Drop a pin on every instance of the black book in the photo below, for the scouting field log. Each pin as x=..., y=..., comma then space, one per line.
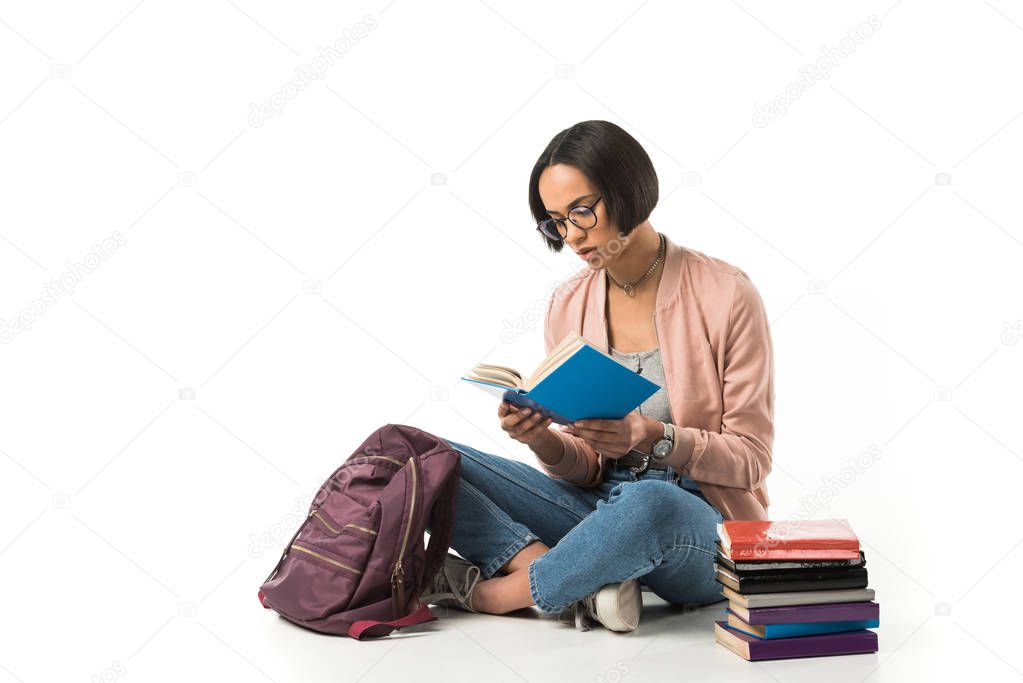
x=791, y=579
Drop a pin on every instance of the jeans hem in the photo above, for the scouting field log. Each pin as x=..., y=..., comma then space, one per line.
x=534, y=592
x=518, y=544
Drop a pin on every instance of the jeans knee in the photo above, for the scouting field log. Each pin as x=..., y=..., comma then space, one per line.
x=651, y=504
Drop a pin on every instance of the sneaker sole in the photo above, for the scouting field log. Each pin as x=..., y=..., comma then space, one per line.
x=619, y=606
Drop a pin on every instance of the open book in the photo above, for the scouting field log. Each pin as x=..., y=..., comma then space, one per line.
x=576, y=381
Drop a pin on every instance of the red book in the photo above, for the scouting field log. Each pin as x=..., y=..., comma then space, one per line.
x=816, y=539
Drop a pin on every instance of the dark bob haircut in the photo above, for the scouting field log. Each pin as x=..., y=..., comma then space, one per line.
x=613, y=161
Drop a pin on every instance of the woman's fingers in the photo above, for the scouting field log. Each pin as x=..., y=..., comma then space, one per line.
x=522, y=424
x=527, y=422
x=534, y=428
x=513, y=418
x=516, y=416
x=526, y=426
x=604, y=426
x=587, y=434
x=598, y=440
x=540, y=428
x=594, y=434
x=509, y=414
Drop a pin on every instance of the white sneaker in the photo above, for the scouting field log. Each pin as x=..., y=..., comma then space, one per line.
x=617, y=606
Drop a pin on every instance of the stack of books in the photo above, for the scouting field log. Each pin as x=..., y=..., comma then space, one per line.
x=794, y=590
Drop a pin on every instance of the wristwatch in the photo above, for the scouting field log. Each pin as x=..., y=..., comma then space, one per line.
x=663, y=446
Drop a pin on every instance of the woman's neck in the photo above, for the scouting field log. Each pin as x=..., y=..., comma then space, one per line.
x=634, y=261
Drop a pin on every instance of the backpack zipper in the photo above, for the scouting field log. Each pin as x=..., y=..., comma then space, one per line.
x=383, y=457
x=295, y=546
x=317, y=515
x=334, y=530
x=398, y=575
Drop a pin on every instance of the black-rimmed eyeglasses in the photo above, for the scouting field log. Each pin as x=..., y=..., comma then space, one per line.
x=581, y=216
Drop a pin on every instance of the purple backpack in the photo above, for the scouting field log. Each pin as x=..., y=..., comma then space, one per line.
x=357, y=565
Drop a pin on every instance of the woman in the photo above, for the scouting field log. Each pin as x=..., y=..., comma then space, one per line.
x=617, y=504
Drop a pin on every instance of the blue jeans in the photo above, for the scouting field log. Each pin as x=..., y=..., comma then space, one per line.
x=629, y=526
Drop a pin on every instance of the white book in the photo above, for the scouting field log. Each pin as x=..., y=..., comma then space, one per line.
x=798, y=597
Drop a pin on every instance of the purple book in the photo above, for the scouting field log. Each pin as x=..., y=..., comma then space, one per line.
x=754, y=649
x=800, y=614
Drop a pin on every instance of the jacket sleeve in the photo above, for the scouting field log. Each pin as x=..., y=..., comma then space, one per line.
x=580, y=463
x=740, y=455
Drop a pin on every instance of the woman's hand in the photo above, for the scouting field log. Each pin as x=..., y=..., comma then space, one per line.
x=522, y=424
x=615, y=438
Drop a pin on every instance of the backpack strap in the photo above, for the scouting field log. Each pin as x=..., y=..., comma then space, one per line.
x=372, y=628
x=442, y=523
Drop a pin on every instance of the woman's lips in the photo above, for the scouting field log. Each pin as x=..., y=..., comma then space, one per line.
x=586, y=253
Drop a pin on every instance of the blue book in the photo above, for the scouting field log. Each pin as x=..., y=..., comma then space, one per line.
x=807, y=628
x=575, y=382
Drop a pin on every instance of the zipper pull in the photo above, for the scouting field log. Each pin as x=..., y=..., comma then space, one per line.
x=398, y=597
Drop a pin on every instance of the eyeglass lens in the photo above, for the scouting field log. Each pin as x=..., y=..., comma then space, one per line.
x=581, y=216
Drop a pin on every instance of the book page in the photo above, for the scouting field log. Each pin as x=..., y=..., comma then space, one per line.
x=497, y=374
x=557, y=356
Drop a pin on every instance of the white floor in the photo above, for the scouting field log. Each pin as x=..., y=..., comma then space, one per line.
x=108, y=619
x=231, y=638
x=669, y=646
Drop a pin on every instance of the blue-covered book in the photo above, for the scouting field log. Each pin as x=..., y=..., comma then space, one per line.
x=575, y=382
x=809, y=628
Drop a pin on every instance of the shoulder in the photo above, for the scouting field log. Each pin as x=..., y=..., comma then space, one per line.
x=710, y=271
x=721, y=289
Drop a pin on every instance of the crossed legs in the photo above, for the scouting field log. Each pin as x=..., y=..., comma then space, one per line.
x=510, y=591
x=648, y=529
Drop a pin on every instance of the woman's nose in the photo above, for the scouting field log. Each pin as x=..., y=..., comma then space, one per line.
x=574, y=233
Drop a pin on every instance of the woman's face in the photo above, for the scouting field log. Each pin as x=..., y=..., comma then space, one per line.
x=562, y=187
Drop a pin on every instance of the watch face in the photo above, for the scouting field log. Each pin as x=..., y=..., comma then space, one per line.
x=662, y=448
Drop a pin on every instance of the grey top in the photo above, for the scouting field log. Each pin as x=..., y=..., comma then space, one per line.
x=648, y=364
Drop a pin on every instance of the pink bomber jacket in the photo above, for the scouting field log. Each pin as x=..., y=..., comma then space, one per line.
x=718, y=365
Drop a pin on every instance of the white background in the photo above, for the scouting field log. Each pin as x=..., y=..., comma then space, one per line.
x=340, y=265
